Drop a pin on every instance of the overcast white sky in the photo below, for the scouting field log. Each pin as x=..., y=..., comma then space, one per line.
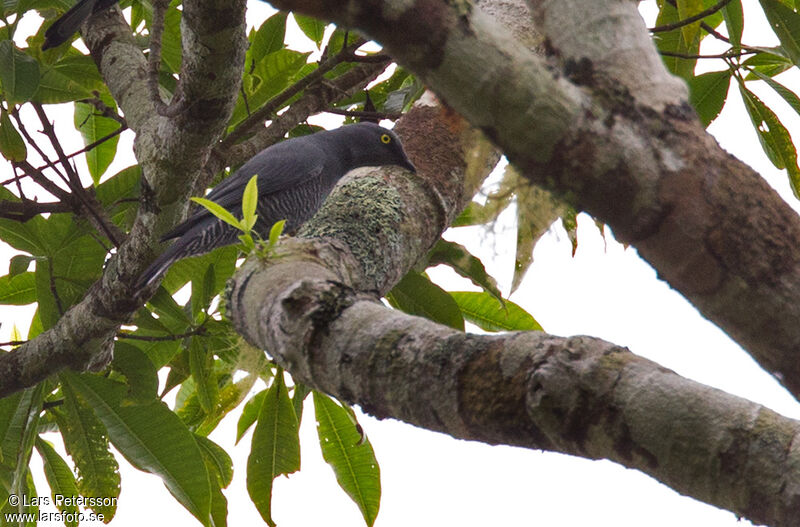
x=430, y=479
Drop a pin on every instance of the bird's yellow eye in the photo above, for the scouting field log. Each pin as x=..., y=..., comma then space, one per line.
x=385, y=139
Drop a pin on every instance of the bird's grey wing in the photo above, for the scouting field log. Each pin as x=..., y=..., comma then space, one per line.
x=275, y=173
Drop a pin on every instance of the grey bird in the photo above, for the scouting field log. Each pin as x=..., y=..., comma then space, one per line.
x=294, y=178
x=70, y=22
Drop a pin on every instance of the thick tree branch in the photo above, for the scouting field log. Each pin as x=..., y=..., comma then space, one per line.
x=171, y=152
x=315, y=307
x=601, y=122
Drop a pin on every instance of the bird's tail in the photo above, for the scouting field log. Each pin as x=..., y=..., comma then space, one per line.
x=69, y=24
x=160, y=265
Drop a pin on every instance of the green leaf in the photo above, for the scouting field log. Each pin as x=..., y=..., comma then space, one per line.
x=59, y=477
x=489, y=314
x=775, y=139
x=86, y=442
x=275, y=449
x=268, y=38
x=203, y=292
x=769, y=61
x=19, y=73
x=194, y=269
x=56, y=87
x=734, y=21
x=464, y=263
x=415, y=294
x=350, y=455
x=687, y=9
x=249, y=203
x=219, y=211
x=275, y=232
x=785, y=22
x=201, y=364
x=266, y=78
x=675, y=41
x=18, y=290
x=220, y=468
x=12, y=147
x=249, y=414
x=19, y=264
x=313, y=28
x=171, y=49
x=23, y=236
x=94, y=127
x=217, y=458
x=788, y=95
x=152, y=438
x=137, y=367
x=707, y=94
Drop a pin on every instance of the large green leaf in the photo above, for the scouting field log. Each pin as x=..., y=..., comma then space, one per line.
x=313, y=28
x=275, y=449
x=707, y=93
x=19, y=73
x=269, y=76
x=785, y=22
x=23, y=236
x=268, y=38
x=60, y=478
x=18, y=290
x=152, y=438
x=94, y=127
x=415, y=294
x=489, y=314
x=350, y=454
x=86, y=441
x=775, y=139
x=56, y=87
x=137, y=367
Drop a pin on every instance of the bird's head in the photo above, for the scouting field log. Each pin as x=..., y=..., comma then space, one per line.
x=374, y=145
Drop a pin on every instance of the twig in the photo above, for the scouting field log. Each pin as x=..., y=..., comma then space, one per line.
x=365, y=115
x=200, y=330
x=726, y=55
x=685, y=22
x=53, y=289
x=94, y=211
x=13, y=343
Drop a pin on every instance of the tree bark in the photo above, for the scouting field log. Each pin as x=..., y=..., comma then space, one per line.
x=604, y=126
x=314, y=305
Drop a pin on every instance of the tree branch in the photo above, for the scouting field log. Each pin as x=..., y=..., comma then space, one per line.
x=618, y=138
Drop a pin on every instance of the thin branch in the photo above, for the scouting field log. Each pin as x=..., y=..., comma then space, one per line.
x=685, y=22
x=26, y=209
x=726, y=55
x=200, y=330
x=94, y=211
x=365, y=115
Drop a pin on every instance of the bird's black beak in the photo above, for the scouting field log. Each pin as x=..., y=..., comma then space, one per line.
x=408, y=165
